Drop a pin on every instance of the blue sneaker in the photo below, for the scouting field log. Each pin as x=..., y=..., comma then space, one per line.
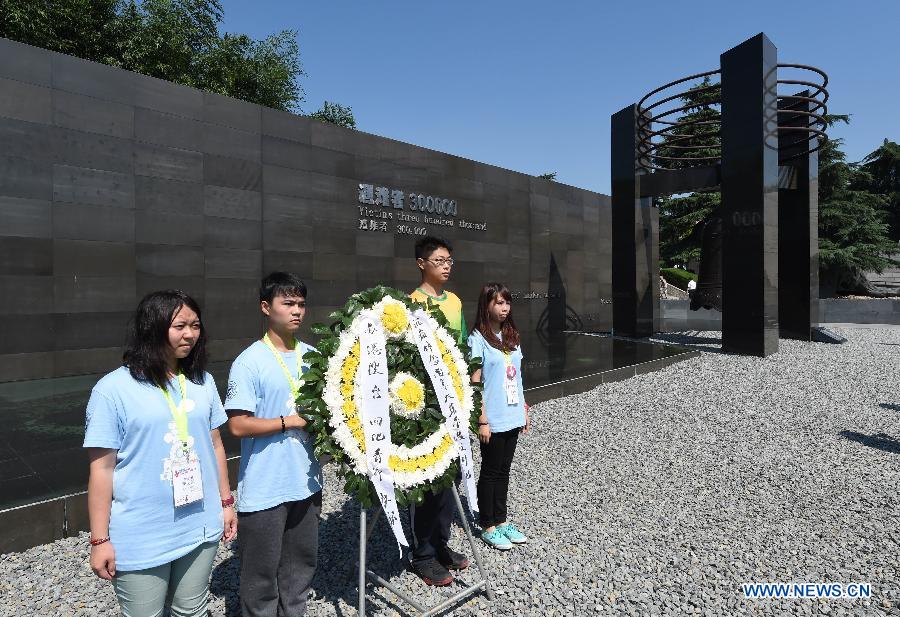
x=497, y=540
x=512, y=533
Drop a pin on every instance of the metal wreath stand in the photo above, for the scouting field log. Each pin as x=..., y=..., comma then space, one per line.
x=365, y=531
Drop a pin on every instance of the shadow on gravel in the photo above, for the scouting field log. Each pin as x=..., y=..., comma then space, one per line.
x=225, y=580
x=879, y=441
x=890, y=406
x=338, y=569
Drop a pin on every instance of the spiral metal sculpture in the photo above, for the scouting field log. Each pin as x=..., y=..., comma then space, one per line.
x=661, y=121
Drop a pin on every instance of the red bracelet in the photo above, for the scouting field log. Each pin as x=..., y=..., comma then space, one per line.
x=228, y=502
x=99, y=541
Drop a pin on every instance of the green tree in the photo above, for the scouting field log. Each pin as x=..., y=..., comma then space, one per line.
x=83, y=28
x=883, y=169
x=681, y=223
x=264, y=72
x=175, y=40
x=853, y=232
x=696, y=135
x=682, y=218
x=336, y=114
x=549, y=176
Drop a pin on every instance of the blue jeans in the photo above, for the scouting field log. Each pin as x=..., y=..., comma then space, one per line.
x=182, y=584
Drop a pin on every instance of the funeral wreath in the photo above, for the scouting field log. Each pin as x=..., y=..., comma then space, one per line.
x=424, y=450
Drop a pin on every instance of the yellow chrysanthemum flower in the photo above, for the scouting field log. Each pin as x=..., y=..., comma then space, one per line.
x=411, y=394
x=393, y=318
x=360, y=438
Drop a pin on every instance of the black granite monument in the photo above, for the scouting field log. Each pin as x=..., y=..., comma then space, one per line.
x=766, y=171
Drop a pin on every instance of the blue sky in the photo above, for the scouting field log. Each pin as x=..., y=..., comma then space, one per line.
x=530, y=86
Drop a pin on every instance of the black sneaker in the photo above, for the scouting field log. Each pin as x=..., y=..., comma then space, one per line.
x=452, y=560
x=432, y=573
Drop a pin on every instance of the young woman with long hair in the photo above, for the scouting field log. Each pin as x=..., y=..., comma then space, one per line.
x=504, y=413
x=158, y=493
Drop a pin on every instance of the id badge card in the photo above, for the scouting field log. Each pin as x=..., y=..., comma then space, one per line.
x=187, y=483
x=512, y=392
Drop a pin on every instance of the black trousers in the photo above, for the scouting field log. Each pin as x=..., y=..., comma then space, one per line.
x=431, y=525
x=493, y=483
x=279, y=549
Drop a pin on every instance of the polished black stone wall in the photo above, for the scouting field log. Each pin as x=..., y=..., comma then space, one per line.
x=750, y=198
x=798, y=228
x=635, y=241
x=114, y=184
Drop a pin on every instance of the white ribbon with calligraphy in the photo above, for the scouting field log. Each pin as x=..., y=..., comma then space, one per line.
x=376, y=419
x=425, y=340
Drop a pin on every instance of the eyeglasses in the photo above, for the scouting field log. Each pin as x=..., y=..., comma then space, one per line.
x=440, y=263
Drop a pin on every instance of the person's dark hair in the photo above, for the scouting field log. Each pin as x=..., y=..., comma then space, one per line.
x=281, y=284
x=148, y=339
x=508, y=331
x=426, y=245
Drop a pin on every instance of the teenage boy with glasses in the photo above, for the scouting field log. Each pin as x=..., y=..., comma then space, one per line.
x=432, y=558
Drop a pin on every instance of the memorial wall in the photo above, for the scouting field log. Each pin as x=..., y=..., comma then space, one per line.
x=114, y=184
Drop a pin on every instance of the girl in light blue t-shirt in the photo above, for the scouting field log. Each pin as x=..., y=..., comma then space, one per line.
x=504, y=413
x=158, y=493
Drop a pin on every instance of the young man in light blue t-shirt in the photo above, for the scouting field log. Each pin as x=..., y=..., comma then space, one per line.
x=279, y=480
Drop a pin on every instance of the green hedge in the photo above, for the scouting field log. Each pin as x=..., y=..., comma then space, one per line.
x=677, y=277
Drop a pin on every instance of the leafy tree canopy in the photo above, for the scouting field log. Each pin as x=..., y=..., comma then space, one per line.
x=336, y=114
x=853, y=228
x=175, y=40
x=882, y=169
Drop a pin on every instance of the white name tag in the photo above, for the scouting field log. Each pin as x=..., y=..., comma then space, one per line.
x=186, y=481
x=512, y=392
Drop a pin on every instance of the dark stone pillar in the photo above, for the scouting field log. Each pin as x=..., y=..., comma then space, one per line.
x=750, y=198
x=648, y=302
x=798, y=225
x=635, y=252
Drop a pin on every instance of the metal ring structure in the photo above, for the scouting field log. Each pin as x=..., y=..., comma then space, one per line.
x=804, y=113
x=810, y=121
x=657, y=112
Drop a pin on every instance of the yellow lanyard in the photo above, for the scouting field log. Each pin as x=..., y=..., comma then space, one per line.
x=178, y=411
x=295, y=386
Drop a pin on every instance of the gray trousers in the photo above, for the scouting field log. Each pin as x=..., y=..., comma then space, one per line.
x=279, y=550
x=183, y=584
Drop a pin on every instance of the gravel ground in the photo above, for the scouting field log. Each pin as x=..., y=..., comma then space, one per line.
x=658, y=495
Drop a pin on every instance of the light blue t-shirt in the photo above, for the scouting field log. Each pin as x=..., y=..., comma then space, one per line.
x=145, y=527
x=275, y=468
x=501, y=417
